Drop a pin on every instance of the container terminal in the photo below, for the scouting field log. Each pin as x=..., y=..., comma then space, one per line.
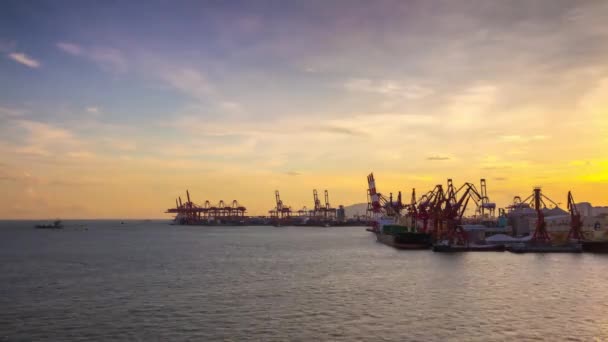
x=233, y=213
x=444, y=219
x=534, y=224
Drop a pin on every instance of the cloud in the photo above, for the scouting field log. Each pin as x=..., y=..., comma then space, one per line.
x=80, y=155
x=500, y=178
x=435, y=158
x=469, y=109
x=387, y=87
x=70, y=48
x=19, y=176
x=292, y=173
x=93, y=110
x=10, y=112
x=24, y=59
x=339, y=130
x=499, y=167
x=231, y=107
x=75, y=182
x=522, y=139
x=45, y=132
x=121, y=144
x=44, y=140
x=106, y=57
x=33, y=150
x=189, y=81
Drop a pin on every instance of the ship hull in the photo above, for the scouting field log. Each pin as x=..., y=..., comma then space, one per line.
x=457, y=249
x=595, y=246
x=405, y=240
x=533, y=248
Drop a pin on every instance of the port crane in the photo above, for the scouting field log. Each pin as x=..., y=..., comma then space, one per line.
x=380, y=203
x=189, y=206
x=538, y=201
x=317, y=203
x=429, y=206
x=485, y=201
x=189, y=212
x=328, y=211
x=281, y=210
x=540, y=233
x=445, y=209
x=455, y=208
x=238, y=209
x=221, y=208
x=369, y=212
x=412, y=210
x=576, y=223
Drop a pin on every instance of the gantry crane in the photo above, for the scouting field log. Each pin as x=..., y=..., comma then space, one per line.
x=317, y=204
x=328, y=211
x=282, y=211
x=485, y=201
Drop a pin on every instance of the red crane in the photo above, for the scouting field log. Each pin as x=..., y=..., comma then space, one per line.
x=540, y=233
x=381, y=204
x=576, y=223
x=374, y=196
x=281, y=210
x=429, y=206
x=454, y=210
x=537, y=201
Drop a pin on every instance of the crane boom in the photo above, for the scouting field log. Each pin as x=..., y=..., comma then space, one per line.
x=576, y=223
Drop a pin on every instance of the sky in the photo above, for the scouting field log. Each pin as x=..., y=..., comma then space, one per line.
x=112, y=109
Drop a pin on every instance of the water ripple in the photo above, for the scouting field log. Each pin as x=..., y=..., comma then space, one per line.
x=156, y=282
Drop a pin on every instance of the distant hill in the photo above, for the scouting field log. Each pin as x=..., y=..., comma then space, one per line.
x=355, y=209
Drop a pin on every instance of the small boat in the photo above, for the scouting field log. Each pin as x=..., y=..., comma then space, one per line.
x=56, y=225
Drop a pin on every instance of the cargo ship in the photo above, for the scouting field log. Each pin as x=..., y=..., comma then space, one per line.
x=401, y=236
